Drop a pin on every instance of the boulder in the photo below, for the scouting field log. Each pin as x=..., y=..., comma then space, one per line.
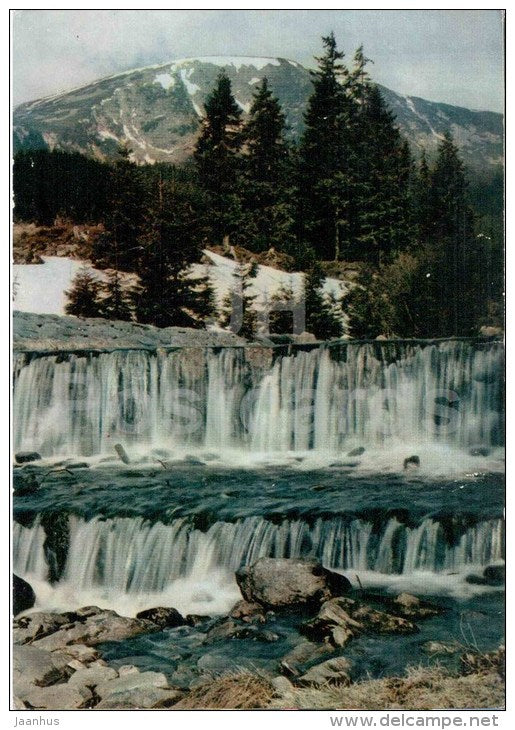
x=493, y=575
x=193, y=619
x=94, y=629
x=479, y=451
x=23, y=595
x=335, y=672
x=141, y=699
x=248, y=612
x=333, y=624
x=131, y=682
x=357, y=451
x=92, y=676
x=282, y=686
x=57, y=697
x=27, y=629
x=409, y=606
x=281, y=583
x=33, y=666
x=24, y=457
x=302, y=654
x=162, y=617
x=411, y=462
x=341, y=619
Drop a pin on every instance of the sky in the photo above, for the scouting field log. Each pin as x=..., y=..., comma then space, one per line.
x=452, y=56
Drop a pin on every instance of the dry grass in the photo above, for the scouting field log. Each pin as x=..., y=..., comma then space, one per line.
x=238, y=691
x=421, y=689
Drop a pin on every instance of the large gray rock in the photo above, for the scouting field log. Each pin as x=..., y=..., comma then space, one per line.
x=23, y=595
x=334, y=672
x=58, y=697
x=301, y=655
x=33, y=666
x=131, y=682
x=92, y=676
x=37, y=625
x=341, y=619
x=94, y=629
x=283, y=583
x=141, y=699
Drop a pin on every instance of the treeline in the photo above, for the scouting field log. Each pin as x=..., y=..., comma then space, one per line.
x=350, y=190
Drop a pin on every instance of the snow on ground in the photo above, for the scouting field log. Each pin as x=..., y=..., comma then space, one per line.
x=40, y=288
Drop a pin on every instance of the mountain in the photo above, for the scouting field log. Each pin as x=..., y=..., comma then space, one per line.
x=157, y=111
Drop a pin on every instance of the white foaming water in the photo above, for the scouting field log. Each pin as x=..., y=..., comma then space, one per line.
x=393, y=399
x=129, y=564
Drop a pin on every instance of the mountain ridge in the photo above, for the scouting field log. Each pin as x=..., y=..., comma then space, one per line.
x=157, y=111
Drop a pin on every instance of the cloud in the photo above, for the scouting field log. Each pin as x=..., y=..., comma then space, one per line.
x=453, y=56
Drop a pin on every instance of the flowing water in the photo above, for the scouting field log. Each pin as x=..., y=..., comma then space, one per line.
x=239, y=453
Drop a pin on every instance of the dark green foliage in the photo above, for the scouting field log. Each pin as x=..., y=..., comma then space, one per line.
x=84, y=296
x=170, y=242
x=118, y=247
x=218, y=162
x=325, y=158
x=50, y=184
x=441, y=287
x=116, y=302
x=323, y=314
x=267, y=184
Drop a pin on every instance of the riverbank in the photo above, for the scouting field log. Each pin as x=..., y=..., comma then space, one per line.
x=68, y=660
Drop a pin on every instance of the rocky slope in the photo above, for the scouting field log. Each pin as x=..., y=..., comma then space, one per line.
x=157, y=111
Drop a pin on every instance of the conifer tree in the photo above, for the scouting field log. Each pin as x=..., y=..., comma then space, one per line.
x=326, y=158
x=383, y=203
x=118, y=247
x=452, y=233
x=238, y=312
x=83, y=297
x=323, y=313
x=171, y=241
x=116, y=302
x=217, y=159
x=267, y=178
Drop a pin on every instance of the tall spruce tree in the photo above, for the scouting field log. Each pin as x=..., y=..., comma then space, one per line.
x=452, y=233
x=171, y=241
x=385, y=179
x=218, y=161
x=267, y=178
x=326, y=158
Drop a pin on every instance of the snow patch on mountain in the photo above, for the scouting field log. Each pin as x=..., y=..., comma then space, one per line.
x=167, y=81
x=236, y=61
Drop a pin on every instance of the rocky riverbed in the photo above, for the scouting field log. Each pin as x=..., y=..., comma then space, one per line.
x=60, y=658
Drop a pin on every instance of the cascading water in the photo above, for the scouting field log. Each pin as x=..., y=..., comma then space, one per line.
x=322, y=399
x=128, y=560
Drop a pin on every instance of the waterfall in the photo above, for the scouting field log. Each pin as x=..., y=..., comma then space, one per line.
x=131, y=555
x=322, y=399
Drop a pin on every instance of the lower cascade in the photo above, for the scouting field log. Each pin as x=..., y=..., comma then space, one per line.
x=261, y=399
x=135, y=557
